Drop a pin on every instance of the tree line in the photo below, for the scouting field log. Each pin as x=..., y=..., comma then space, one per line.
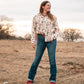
x=6, y=30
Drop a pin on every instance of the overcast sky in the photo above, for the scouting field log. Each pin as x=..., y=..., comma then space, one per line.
x=67, y=11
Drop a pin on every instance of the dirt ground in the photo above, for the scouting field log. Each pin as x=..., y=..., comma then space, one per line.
x=16, y=57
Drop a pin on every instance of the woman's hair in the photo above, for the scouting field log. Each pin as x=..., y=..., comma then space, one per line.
x=48, y=13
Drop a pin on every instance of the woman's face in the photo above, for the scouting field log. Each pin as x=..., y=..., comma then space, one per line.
x=47, y=7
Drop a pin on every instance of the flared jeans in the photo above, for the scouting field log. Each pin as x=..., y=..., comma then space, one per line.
x=40, y=48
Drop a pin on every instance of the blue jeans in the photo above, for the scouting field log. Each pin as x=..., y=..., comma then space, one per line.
x=40, y=47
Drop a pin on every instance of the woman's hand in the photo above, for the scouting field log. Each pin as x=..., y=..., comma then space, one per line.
x=34, y=45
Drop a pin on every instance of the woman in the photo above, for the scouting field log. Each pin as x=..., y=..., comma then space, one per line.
x=45, y=26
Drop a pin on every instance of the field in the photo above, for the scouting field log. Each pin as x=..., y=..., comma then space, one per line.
x=16, y=57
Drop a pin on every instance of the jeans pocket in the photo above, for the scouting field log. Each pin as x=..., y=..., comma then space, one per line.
x=39, y=40
x=55, y=42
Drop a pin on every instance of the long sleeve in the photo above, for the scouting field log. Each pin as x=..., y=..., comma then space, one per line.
x=55, y=28
x=34, y=24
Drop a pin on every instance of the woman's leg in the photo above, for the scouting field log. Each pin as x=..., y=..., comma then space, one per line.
x=51, y=46
x=38, y=55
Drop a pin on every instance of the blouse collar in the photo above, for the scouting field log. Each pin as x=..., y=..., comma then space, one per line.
x=43, y=15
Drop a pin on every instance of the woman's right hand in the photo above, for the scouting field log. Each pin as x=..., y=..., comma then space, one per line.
x=34, y=45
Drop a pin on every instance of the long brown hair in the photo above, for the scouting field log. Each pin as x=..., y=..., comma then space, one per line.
x=48, y=13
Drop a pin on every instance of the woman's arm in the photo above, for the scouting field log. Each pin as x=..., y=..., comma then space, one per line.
x=34, y=24
x=56, y=28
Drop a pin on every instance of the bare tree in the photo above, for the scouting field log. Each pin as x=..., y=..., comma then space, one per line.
x=71, y=34
x=6, y=30
x=5, y=18
x=28, y=36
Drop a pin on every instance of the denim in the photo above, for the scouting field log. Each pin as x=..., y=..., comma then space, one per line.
x=40, y=48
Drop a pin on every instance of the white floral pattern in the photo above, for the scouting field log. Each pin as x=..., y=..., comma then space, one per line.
x=42, y=24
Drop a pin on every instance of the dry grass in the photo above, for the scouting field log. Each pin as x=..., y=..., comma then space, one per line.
x=16, y=57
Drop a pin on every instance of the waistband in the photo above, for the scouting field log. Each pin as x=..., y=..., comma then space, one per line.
x=41, y=34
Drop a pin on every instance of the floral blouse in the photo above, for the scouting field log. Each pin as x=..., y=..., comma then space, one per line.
x=43, y=25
